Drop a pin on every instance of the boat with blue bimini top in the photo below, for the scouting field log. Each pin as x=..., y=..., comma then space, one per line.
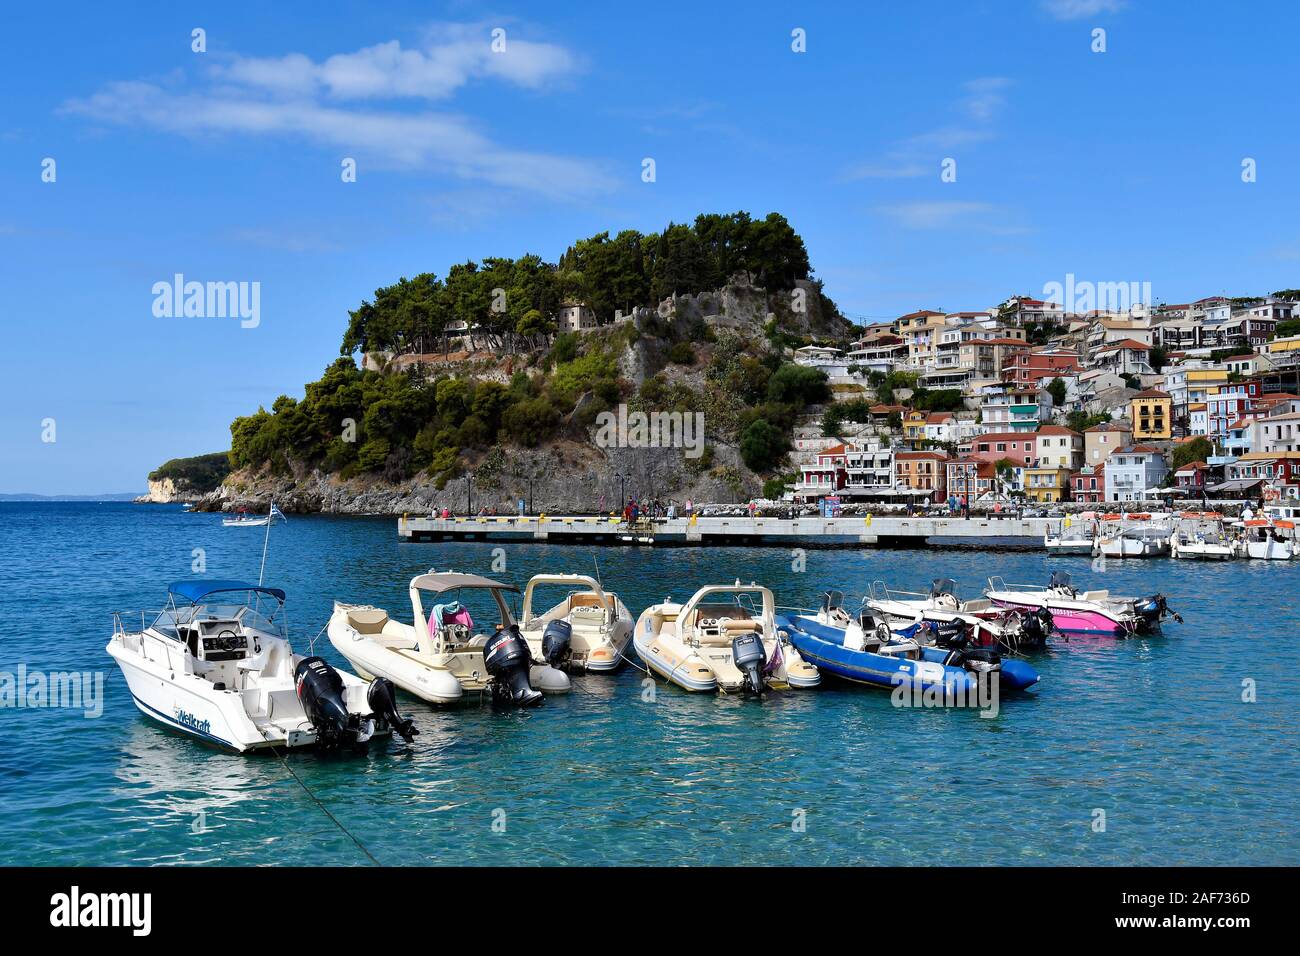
x=725, y=638
x=863, y=648
x=216, y=663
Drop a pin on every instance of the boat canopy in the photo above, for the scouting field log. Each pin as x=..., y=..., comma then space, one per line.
x=196, y=591
x=446, y=580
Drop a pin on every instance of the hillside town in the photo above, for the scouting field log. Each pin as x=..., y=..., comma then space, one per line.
x=1028, y=402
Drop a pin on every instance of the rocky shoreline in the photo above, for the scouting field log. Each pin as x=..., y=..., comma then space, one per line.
x=564, y=477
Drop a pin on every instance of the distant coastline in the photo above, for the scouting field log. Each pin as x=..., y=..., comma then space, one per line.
x=118, y=496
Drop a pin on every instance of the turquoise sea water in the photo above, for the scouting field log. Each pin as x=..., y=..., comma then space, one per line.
x=1152, y=731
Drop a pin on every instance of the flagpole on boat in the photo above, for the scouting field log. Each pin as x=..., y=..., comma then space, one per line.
x=270, y=519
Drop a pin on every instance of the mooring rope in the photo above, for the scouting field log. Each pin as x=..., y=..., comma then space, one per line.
x=325, y=810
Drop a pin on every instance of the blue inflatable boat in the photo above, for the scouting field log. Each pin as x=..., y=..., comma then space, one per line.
x=866, y=651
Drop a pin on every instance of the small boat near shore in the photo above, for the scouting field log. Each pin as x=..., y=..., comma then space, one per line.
x=721, y=640
x=1089, y=612
x=589, y=630
x=243, y=519
x=216, y=664
x=446, y=657
x=1072, y=535
x=1267, y=539
x=864, y=649
x=1201, y=536
x=1133, y=536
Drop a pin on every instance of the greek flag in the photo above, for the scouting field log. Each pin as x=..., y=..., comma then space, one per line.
x=277, y=513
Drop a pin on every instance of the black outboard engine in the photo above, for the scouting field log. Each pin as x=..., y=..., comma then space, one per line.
x=1153, y=610
x=555, y=643
x=320, y=689
x=383, y=702
x=950, y=633
x=507, y=660
x=977, y=660
x=1031, y=628
x=748, y=653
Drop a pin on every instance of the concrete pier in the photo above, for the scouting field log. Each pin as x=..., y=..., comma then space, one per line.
x=812, y=531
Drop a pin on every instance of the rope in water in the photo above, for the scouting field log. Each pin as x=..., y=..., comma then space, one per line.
x=325, y=810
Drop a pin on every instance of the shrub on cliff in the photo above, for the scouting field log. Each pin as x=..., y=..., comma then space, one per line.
x=530, y=422
x=798, y=385
x=763, y=445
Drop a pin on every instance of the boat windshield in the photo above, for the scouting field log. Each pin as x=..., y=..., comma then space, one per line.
x=258, y=612
x=941, y=586
x=1060, y=579
x=485, y=606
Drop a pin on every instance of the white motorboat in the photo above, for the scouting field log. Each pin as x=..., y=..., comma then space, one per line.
x=446, y=656
x=588, y=630
x=1089, y=612
x=720, y=641
x=977, y=623
x=1073, y=535
x=216, y=663
x=1201, y=536
x=243, y=519
x=1267, y=539
x=1133, y=536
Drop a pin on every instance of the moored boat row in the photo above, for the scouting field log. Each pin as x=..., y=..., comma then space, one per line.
x=1187, y=535
x=216, y=662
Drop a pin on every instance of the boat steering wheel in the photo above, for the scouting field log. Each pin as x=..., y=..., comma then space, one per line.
x=226, y=639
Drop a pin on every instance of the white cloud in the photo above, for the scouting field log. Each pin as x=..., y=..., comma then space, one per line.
x=921, y=154
x=453, y=55
x=985, y=97
x=952, y=214
x=1078, y=9
x=292, y=96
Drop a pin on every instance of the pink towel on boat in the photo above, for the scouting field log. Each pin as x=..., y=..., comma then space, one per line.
x=461, y=616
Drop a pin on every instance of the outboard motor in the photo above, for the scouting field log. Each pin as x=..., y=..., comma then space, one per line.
x=950, y=633
x=383, y=702
x=320, y=689
x=1153, y=610
x=555, y=643
x=506, y=657
x=748, y=653
x=977, y=660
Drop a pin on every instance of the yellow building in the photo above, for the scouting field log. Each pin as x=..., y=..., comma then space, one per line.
x=1047, y=484
x=914, y=425
x=1152, y=414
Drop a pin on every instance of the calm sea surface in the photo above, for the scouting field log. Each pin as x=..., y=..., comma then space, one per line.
x=1154, y=731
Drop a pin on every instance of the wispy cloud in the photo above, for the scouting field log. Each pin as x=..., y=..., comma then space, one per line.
x=919, y=155
x=1078, y=9
x=953, y=214
x=294, y=96
x=453, y=54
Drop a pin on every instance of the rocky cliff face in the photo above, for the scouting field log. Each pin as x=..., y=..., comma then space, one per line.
x=567, y=477
x=165, y=491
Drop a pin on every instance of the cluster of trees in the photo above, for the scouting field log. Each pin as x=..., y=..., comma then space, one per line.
x=418, y=315
x=512, y=303
x=352, y=421
x=202, y=473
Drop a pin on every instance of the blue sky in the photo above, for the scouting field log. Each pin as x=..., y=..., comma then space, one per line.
x=225, y=166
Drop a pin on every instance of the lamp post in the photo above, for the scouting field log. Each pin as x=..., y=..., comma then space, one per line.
x=531, y=479
x=469, y=494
